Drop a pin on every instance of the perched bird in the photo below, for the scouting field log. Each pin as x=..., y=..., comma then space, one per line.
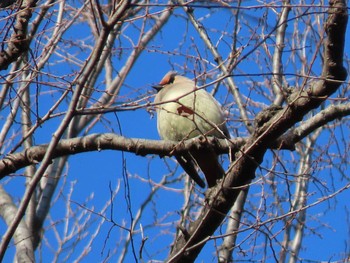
x=184, y=112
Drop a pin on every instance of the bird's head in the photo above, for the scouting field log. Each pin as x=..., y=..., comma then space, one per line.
x=169, y=78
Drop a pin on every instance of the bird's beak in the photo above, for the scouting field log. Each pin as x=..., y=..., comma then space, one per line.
x=157, y=87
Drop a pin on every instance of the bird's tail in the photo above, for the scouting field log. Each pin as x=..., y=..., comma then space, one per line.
x=190, y=168
x=208, y=162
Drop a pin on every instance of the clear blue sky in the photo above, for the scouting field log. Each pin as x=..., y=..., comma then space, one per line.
x=91, y=173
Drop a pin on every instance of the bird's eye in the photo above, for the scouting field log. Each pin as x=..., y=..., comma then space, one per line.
x=171, y=78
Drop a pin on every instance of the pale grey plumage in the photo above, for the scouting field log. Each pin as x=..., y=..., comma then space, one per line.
x=185, y=112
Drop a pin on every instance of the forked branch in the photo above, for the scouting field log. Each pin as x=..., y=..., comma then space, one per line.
x=242, y=171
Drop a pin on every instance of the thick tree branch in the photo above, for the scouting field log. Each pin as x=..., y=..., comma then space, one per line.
x=331, y=113
x=18, y=42
x=23, y=236
x=6, y=3
x=242, y=171
x=47, y=159
x=111, y=141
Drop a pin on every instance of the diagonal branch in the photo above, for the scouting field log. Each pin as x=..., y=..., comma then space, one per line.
x=218, y=59
x=114, y=87
x=242, y=171
x=123, y=5
x=23, y=236
x=331, y=113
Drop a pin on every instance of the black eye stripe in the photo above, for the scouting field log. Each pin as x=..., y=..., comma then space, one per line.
x=172, y=78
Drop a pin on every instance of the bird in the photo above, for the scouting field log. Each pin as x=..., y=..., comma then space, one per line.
x=184, y=112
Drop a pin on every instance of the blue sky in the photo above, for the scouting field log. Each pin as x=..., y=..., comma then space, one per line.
x=178, y=47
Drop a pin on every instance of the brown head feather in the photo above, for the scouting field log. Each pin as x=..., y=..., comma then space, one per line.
x=168, y=78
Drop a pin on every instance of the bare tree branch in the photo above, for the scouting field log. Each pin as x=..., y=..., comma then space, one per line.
x=277, y=83
x=6, y=3
x=97, y=142
x=84, y=67
x=228, y=245
x=331, y=113
x=18, y=43
x=218, y=59
x=242, y=171
x=22, y=236
x=123, y=5
x=111, y=141
x=113, y=89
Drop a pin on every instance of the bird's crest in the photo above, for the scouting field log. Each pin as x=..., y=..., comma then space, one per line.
x=168, y=78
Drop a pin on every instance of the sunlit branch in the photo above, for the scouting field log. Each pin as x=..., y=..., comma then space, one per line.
x=331, y=113
x=242, y=170
x=218, y=59
x=23, y=236
x=300, y=197
x=94, y=142
x=111, y=141
x=53, y=143
x=233, y=222
x=277, y=68
x=30, y=170
x=113, y=89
